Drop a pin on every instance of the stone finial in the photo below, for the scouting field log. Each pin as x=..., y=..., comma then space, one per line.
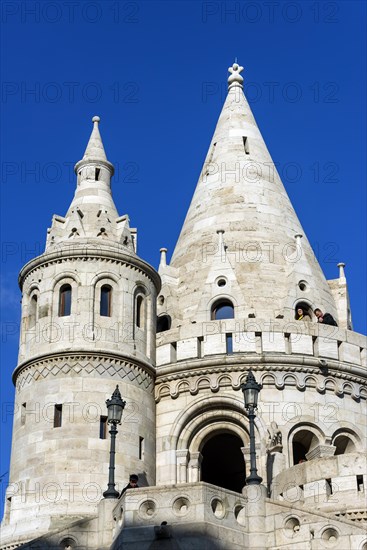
x=298, y=238
x=163, y=261
x=95, y=150
x=341, y=267
x=235, y=78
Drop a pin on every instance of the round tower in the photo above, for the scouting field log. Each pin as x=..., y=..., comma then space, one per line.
x=241, y=269
x=88, y=324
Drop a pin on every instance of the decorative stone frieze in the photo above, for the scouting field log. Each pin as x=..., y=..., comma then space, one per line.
x=85, y=366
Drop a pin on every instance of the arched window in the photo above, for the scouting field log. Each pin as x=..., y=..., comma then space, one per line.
x=303, y=442
x=105, y=301
x=307, y=314
x=33, y=310
x=140, y=311
x=222, y=309
x=65, y=301
x=343, y=444
x=163, y=323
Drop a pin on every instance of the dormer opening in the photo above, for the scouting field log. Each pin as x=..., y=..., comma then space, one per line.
x=222, y=309
x=306, y=314
x=246, y=145
x=163, y=323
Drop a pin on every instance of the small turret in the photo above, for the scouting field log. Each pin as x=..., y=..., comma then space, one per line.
x=88, y=323
x=92, y=213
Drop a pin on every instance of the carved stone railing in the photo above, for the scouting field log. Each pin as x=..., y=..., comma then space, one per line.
x=255, y=337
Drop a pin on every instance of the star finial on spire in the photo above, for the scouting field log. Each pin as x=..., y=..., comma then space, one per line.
x=235, y=78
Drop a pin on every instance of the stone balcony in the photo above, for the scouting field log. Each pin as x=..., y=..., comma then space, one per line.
x=256, y=337
x=333, y=483
x=197, y=516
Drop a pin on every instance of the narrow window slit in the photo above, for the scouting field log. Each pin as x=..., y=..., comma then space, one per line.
x=58, y=416
x=103, y=427
x=329, y=486
x=229, y=343
x=246, y=145
x=141, y=448
x=360, y=485
x=23, y=413
x=105, y=301
x=65, y=301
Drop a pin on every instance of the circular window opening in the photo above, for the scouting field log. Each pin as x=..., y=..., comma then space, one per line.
x=240, y=514
x=67, y=544
x=330, y=536
x=218, y=508
x=147, y=508
x=181, y=506
x=292, y=526
x=221, y=282
x=302, y=285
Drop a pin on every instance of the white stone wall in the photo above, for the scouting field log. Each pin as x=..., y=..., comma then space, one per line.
x=85, y=328
x=311, y=381
x=64, y=470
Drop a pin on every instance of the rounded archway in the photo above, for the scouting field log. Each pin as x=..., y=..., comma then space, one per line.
x=304, y=441
x=223, y=463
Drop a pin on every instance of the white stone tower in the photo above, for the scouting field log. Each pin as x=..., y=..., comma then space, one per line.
x=88, y=324
x=241, y=269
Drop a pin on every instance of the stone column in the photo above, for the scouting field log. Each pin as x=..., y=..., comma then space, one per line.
x=255, y=509
x=194, y=467
x=182, y=457
x=106, y=522
x=276, y=464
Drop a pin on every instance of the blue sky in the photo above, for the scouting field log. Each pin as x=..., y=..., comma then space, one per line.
x=156, y=74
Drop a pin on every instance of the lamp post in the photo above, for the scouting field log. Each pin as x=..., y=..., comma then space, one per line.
x=115, y=406
x=251, y=391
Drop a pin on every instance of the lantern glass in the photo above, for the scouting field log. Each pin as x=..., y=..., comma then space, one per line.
x=251, y=395
x=251, y=391
x=114, y=413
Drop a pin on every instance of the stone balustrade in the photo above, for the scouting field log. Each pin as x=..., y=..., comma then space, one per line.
x=322, y=482
x=258, y=337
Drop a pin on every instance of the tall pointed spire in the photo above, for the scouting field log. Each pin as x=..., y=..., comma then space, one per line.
x=92, y=213
x=94, y=151
x=240, y=193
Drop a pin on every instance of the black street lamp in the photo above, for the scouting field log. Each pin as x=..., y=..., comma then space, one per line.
x=251, y=391
x=115, y=406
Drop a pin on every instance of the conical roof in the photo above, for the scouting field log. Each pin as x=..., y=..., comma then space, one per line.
x=95, y=149
x=241, y=220
x=92, y=213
